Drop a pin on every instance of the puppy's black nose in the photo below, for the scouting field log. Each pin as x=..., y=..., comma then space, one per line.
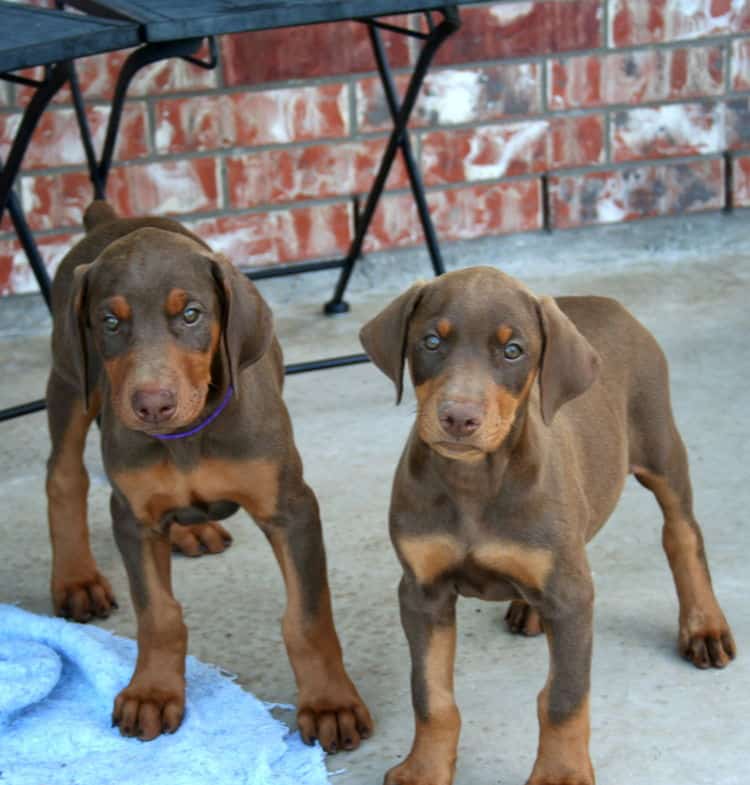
x=460, y=419
x=154, y=406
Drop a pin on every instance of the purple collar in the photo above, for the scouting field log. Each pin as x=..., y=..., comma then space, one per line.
x=211, y=417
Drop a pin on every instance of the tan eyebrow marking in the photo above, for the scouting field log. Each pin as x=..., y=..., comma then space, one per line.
x=444, y=328
x=120, y=307
x=504, y=333
x=175, y=302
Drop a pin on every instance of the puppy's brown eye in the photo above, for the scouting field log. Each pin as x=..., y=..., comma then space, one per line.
x=512, y=351
x=111, y=323
x=191, y=315
x=432, y=342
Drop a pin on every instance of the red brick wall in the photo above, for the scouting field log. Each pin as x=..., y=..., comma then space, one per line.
x=627, y=107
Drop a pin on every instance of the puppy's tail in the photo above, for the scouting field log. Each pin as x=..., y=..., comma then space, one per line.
x=97, y=213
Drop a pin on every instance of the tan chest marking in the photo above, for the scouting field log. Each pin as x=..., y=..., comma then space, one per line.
x=523, y=563
x=429, y=557
x=154, y=490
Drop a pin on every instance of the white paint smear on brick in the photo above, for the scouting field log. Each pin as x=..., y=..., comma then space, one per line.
x=511, y=146
x=683, y=19
x=22, y=280
x=176, y=189
x=163, y=135
x=682, y=125
x=452, y=96
x=505, y=14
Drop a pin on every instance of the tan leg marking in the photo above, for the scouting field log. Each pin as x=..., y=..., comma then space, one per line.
x=431, y=556
x=563, y=756
x=329, y=707
x=432, y=760
x=154, y=701
x=704, y=638
x=79, y=591
x=527, y=565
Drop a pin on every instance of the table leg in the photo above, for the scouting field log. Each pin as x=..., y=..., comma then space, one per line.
x=399, y=139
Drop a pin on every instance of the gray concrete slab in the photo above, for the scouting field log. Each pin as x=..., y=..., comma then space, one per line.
x=655, y=719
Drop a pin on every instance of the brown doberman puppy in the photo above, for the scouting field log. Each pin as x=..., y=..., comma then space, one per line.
x=531, y=413
x=174, y=349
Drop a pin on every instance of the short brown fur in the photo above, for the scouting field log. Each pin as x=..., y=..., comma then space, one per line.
x=516, y=459
x=126, y=349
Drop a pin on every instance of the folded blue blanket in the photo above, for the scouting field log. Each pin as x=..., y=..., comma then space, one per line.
x=57, y=684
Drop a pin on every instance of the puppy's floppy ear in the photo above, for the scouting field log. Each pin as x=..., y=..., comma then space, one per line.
x=247, y=322
x=77, y=354
x=384, y=337
x=569, y=364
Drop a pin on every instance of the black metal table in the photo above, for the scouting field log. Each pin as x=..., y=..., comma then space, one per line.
x=177, y=28
x=38, y=37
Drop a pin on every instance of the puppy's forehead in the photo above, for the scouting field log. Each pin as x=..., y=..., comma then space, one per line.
x=478, y=297
x=150, y=263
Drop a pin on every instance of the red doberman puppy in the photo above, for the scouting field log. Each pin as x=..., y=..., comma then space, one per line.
x=174, y=350
x=531, y=413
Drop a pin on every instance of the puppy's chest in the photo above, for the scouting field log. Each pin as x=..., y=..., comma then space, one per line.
x=162, y=492
x=478, y=562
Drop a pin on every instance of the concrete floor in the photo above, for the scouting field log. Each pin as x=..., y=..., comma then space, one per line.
x=655, y=719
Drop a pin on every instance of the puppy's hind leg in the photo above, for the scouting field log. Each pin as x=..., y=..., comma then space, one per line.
x=522, y=619
x=661, y=465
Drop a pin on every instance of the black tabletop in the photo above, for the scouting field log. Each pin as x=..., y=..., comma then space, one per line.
x=174, y=19
x=36, y=36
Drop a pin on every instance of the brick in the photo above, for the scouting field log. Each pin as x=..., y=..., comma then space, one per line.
x=168, y=187
x=458, y=214
x=319, y=171
x=485, y=153
x=496, y=30
x=210, y=122
x=496, y=151
x=637, y=192
x=6, y=267
x=97, y=77
x=635, y=77
x=16, y=276
x=57, y=140
x=675, y=129
x=635, y=22
x=738, y=123
x=741, y=64
x=575, y=141
x=453, y=95
x=306, y=52
x=741, y=180
x=263, y=239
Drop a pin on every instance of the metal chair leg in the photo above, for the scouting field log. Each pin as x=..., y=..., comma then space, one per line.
x=398, y=140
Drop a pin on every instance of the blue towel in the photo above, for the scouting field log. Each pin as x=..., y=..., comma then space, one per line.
x=58, y=681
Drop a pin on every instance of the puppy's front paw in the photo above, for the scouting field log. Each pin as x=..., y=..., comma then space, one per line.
x=337, y=718
x=337, y=728
x=563, y=781
x=150, y=705
x=199, y=538
x=706, y=640
x=82, y=596
x=419, y=772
